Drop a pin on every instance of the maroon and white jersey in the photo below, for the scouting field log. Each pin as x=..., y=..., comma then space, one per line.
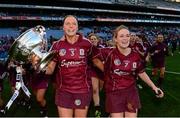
x=72, y=63
x=120, y=71
x=139, y=47
x=158, y=52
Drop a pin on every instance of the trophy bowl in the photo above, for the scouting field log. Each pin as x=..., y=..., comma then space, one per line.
x=32, y=43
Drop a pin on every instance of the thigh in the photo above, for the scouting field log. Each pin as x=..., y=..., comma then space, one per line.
x=130, y=114
x=117, y=115
x=40, y=93
x=95, y=84
x=81, y=112
x=65, y=112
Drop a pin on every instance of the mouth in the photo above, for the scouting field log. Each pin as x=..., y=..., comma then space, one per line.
x=125, y=42
x=71, y=31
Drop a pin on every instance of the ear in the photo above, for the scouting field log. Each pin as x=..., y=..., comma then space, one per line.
x=114, y=39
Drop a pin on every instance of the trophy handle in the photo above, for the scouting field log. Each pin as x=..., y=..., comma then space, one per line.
x=47, y=57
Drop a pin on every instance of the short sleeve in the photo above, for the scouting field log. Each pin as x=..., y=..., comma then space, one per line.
x=104, y=53
x=140, y=66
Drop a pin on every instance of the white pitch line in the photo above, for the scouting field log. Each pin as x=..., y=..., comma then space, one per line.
x=176, y=73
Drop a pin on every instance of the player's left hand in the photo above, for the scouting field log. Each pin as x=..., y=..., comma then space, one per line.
x=159, y=93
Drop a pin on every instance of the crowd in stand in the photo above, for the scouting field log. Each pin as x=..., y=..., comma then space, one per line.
x=171, y=35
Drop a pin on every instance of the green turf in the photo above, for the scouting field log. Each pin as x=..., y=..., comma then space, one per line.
x=169, y=106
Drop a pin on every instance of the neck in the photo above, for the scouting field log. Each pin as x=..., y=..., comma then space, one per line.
x=72, y=39
x=124, y=51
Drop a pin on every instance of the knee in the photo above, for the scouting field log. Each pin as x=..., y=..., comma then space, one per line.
x=95, y=90
x=162, y=75
x=40, y=98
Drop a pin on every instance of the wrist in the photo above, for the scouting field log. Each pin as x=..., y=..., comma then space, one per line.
x=154, y=88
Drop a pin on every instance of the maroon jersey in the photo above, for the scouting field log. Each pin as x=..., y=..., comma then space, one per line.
x=93, y=70
x=120, y=71
x=158, y=52
x=139, y=47
x=72, y=66
x=146, y=48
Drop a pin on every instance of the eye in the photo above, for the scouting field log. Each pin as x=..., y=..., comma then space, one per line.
x=67, y=23
x=74, y=23
x=121, y=36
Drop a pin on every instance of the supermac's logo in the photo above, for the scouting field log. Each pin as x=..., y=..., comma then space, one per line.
x=62, y=52
x=117, y=62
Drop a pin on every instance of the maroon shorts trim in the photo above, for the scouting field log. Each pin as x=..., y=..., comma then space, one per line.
x=72, y=100
x=125, y=100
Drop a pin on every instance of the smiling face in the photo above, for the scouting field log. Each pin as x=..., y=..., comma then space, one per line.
x=122, y=38
x=160, y=38
x=94, y=40
x=70, y=26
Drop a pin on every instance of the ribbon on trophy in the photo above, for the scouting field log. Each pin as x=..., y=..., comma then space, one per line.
x=19, y=84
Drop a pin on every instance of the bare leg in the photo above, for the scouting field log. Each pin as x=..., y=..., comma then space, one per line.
x=81, y=112
x=65, y=112
x=130, y=114
x=117, y=115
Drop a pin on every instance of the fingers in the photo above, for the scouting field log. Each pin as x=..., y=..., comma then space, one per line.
x=159, y=93
x=35, y=61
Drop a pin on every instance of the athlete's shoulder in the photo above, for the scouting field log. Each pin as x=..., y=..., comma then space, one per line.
x=135, y=54
x=86, y=39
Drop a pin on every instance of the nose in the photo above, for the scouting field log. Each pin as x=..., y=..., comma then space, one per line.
x=71, y=25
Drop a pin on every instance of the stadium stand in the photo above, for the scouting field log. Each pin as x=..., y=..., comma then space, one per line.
x=99, y=19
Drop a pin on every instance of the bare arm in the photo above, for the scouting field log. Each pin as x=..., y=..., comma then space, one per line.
x=50, y=68
x=99, y=64
x=148, y=81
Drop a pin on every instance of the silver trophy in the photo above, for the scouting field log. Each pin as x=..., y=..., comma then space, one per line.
x=30, y=44
x=27, y=47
